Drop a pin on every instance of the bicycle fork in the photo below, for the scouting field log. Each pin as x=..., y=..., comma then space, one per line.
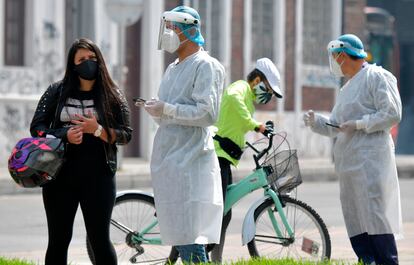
x=279, y=208
x=249, y=226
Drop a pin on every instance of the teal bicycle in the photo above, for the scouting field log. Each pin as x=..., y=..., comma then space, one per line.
x=276, y=226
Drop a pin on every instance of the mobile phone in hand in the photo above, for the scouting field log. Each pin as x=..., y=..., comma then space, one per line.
x=332, y=125
x=139, y=102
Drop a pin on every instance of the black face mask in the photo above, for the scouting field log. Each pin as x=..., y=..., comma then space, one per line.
x=87, y=70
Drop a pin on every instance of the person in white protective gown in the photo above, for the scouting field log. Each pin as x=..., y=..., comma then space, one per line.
x=366, y=108
x=184, y=168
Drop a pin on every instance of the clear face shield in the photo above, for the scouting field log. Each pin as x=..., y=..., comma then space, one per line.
x=167, y=38
x=335, y=48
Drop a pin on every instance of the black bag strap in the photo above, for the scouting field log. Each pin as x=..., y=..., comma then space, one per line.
x=230, y=147
x=218, y=138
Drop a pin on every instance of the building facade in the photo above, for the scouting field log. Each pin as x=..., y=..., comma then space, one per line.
x=292, y=33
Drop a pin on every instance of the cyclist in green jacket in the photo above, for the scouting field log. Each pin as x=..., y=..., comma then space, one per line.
x=236, y=119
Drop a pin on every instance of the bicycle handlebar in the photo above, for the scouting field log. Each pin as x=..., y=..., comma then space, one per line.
x=269, y=134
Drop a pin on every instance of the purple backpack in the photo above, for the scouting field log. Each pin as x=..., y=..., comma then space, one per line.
x=36, y=161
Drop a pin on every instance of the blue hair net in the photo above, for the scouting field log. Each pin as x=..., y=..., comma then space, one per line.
x=354, y=47
x=193, y=35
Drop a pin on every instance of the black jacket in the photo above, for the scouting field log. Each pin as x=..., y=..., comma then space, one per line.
x=46, y=121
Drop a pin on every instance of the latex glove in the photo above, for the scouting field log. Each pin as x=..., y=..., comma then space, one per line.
x=348, y=127
x=309, y=118
x=154, y=107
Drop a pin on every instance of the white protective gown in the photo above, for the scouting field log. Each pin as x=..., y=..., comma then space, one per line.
x=365, y=160
x=184, y=167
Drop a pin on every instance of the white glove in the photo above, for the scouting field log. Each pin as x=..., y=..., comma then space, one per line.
x=154, y=107
x=309, y=118
x=348, y=126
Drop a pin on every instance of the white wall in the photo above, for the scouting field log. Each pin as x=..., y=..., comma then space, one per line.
x=44, y=45
x=21, y=87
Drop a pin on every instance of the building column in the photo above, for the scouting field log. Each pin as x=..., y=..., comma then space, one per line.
x=280, y=45
x=298, y=58
x=151, y=71
x=2, y=8
x=225, y=38
x=247, y=40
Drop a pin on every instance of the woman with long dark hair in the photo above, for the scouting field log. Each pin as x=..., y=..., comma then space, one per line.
x=91, y=115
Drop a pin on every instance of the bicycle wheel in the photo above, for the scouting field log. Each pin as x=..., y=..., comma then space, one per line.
x=311, y=238
x=136, y=212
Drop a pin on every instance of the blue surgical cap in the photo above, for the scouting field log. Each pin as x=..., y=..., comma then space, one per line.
x=194, y=37
x=356, y=47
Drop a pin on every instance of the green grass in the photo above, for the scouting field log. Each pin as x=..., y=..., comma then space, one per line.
x=4, y=261
x=286, y=262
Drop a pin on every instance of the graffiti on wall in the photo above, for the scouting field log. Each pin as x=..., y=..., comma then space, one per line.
x=15, y=118
x=19, y=80
x=21, y=87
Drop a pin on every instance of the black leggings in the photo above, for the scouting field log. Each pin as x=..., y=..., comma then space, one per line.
x=226, y=180
x=93, y=188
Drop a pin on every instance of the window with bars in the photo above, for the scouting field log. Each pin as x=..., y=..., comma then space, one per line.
x=317, y=31
x=320, y=24
x=262, y=28
x=210, y=14
x=14, y=32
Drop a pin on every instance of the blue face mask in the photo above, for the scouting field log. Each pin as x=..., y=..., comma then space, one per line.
x=262, y=95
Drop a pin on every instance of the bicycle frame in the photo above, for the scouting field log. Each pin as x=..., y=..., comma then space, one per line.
x=276, y=224
x=257, y=180
x=139, y=237
x=235, y=192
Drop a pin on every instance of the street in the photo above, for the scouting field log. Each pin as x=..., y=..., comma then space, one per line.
x=24, y=233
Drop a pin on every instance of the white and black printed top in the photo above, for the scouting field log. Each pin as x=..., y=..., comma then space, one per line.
x=91, y=147
x=75, y=106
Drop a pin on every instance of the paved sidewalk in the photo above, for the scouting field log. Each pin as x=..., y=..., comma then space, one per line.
x=135, y=173
x=25, y=236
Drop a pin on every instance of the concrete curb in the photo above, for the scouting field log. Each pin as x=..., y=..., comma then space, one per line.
x=135, y=173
